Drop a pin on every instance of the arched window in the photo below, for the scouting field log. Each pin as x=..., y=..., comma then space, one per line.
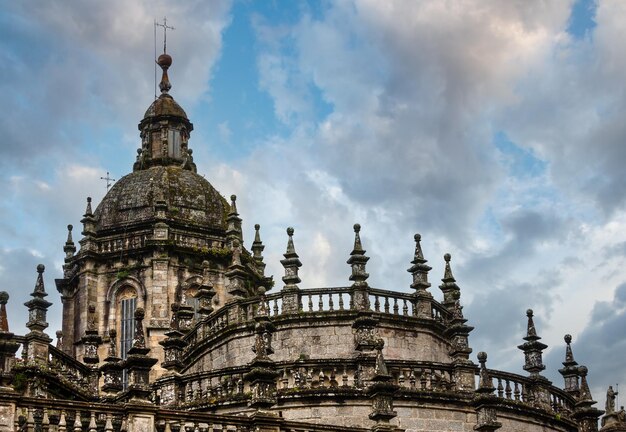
x=127, y=303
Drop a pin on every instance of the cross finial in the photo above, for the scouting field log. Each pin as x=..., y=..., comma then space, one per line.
x=109, y=180
x=165, y=27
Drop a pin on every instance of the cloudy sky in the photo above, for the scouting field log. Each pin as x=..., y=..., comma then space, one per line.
x=495, y=129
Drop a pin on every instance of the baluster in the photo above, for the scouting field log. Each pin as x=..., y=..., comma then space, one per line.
x=285, y=379
x=92, y=422
x=108, y=425
x=507, y=390
x=386, y=304
x=516, y=391
x=341, y=301
x=78, y=424
x=401, y=378
x=344, y=377
x=423, y=379
x=405, y=307
x=351, y=300
x=500, y=388
x=395, y=306
x=63, y=423
x=524, y=393
x=330, y=303
x=322, y=378
x=310, y=303
x=376, y=304
x=320, y=303
x=412, y=379
x=45, y=421
x=275, y=307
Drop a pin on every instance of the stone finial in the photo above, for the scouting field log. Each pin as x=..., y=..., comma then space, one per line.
x=38, y=306
x=91, y=340
x=358, y=260
x=533, y=349
x=382, y=390
x=233, y=232
x=585, y=392
x=291, y=264
x=569, y=371
x=585, y=414
x=257, y=250
x=485, y=383
x=69, y=248
x=531, y=331
x=419, y=269
x=4, y=321
x=164, y=61
x=450, y=289
x=139, y=341
x=88, y=211
x=485, y=401
x=173, y=344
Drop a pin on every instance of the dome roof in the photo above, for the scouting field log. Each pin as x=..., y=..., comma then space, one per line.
x=165, y=105
x=190, y=199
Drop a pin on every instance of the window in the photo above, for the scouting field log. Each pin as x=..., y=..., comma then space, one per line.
x=193, y=301
x=173, y=143
x=127, y=329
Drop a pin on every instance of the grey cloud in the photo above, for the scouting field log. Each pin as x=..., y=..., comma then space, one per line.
x=601, y=346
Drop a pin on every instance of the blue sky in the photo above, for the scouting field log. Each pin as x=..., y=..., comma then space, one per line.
x=495, y=129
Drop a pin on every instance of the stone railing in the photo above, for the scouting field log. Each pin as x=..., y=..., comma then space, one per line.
x=312, y=301
x=72, y=372
x=513, y=387
x=34, y=414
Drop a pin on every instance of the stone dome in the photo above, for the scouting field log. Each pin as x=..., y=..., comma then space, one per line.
x=165, y=105
x=190, y=199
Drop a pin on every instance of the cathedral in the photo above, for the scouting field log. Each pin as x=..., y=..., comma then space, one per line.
x=170, y=324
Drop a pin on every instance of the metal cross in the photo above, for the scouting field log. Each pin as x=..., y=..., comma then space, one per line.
x=108, y=179
x=165, y=27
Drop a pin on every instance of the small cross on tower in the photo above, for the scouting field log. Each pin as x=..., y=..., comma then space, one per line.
x=109, y=180
x=165, y=27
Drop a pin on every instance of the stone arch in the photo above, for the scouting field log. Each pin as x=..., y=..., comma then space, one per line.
x=111, y=298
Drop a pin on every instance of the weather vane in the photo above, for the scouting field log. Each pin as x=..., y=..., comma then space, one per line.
x=109, y=180
x=165, y=27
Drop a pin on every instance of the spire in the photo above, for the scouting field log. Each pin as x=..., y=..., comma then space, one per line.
x=257, y=250
x=234, y=222
x=532, y=349
x=291, y=263
x=570, y=368
x=358, y=260
x=419, y=269
x=88, y=211
x=69, y=248
x=88, y=221
x=450, y=289
x=38, y=306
